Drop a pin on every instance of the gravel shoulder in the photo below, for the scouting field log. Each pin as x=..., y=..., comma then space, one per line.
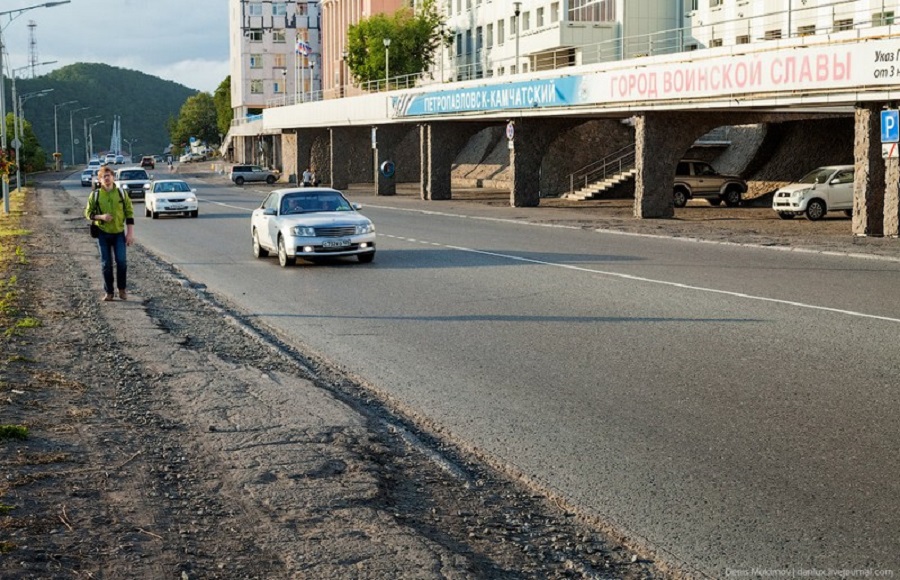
x=170, y=438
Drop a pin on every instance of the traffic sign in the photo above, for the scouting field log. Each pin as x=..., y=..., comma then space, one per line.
x=510, y=130
x=889, y=151
x=890, y=126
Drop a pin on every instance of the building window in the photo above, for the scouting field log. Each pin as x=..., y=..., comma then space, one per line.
x=254, y=9
x=846, y=24
x=715, y=42
x=540, y=17
x=882, y=18
x=255, y=35
x=742, y=39
x=501, y=32
x=554, y=12
x=302, y=9
x=278, y=61
x=592, y=10
x=490, y=36
x=256, y=61
x=279, y=8
x=459, y=45
x=772, y=34
x=278, y=36
x=714, y=3
x=808, y=30
x=526, y=21
x=278, y=87
x=691, y=47
x=256, y=87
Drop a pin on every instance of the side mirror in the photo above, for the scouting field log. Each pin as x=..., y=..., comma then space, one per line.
x=356, y=206
x=269, y=211
x=147, y=186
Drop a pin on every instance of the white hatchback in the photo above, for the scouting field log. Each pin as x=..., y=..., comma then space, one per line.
x=825, y=189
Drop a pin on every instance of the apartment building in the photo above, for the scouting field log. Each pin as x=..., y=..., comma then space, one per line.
x=275, y=55
x=714, y=23
x=499, y=37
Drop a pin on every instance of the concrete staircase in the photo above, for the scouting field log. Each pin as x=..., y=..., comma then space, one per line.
x=598, y=188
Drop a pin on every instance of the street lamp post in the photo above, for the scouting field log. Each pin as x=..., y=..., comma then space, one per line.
x=387, y=60
x=312, y=79
x=19, y=124
x=72, y=130
x=130, y=143
x=13, y=14
x=517, y=11
x=87, y=150
x=57, y=156
x=343, y=64
x=91, y=133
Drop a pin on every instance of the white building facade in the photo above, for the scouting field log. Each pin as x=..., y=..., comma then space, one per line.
x=275, y=53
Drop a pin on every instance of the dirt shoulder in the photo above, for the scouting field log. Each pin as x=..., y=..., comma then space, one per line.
x=169, y=438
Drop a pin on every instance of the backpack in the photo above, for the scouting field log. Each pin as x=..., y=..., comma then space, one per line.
x=93, y=198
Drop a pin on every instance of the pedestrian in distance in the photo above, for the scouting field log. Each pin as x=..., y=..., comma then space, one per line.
x=111, y=211
x=308, y=177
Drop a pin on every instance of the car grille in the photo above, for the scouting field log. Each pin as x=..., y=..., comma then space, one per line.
x=335, y=231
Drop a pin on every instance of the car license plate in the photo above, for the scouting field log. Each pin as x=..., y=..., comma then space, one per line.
x=335, y=243
x=177, y=207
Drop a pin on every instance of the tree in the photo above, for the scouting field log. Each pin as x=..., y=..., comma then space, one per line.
x=222, y=99
x=197, y=118
x=32, y=156
x=415, y=38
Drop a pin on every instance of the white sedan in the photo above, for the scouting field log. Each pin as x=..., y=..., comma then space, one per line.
x=172, y=196
x=311, y=222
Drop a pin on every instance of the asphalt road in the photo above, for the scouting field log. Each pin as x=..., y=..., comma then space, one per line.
x=732, y=407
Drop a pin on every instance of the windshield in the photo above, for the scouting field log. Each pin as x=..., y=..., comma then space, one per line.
x=313, y=202
x=819, y=175
x=128, y=175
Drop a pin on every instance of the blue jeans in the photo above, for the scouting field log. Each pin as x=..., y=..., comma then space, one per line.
x=113, y=245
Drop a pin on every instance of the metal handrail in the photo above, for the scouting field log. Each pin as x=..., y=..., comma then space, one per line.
x=615, y=163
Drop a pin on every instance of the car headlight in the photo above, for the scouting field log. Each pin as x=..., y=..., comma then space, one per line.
x=303, y=231
x=191, y=199
x=365, y=229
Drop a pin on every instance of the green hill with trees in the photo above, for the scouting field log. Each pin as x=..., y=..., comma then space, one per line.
x=145, y=105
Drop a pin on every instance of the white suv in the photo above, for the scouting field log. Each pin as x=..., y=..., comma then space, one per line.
x=825, y=189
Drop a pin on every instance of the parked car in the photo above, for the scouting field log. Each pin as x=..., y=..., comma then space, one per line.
x=821, y=190
x=148, y=162
x=698, y=179
x=170, y=196
x=88, y=176
x=241, y=174
x=132, y=180
x=191, y=158
x=310, y=223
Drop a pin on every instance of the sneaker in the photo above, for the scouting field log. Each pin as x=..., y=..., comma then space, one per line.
x=107, y=298
x=123, y=294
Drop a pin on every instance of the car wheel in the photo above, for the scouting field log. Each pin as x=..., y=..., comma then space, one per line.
x=815, y=210
x=270, y=179
x=785, y=216
x=258, y=250
x=146, y=211
x=680, y=197
x=195, y=213
x=154, y=214
x=732, y=197
x=283, y=259
x=365, y=258
x=714, y=201
x=239, y=180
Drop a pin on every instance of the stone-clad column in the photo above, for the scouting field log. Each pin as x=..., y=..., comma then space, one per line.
x=351, y=154
x=440, y=144
x=869, y=217
x=388, y=139
x=289, y=156
x=531, y=140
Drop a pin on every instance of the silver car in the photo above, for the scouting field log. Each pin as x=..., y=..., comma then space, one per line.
x=825, y=189
x=241, y=174
x=309, y=223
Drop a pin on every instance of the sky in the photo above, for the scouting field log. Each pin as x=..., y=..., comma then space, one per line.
x=185, y=41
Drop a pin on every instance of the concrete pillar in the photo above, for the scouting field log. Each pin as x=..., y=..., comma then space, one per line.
x=440, y=144
x=869, y=218
x=350, y=156
x=532, y=139
x=289, y=157
x=388, y=140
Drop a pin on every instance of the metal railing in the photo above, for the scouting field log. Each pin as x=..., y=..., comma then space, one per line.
x=615, y=163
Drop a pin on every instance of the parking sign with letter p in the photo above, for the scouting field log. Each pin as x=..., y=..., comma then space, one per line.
x=890, y=126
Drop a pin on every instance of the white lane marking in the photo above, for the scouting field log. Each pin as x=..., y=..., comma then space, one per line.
x=651, y=280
